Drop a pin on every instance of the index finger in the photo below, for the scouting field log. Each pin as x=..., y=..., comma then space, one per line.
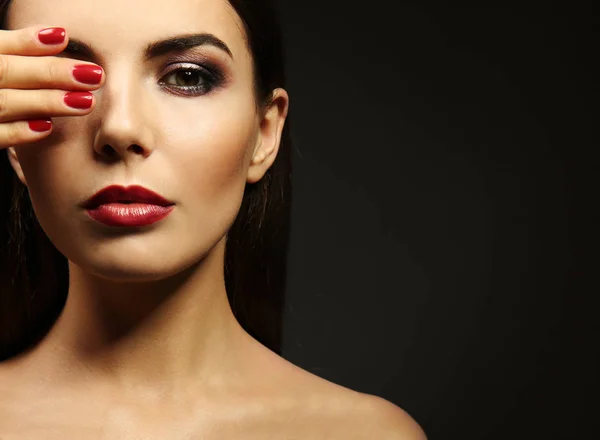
x=30, y=40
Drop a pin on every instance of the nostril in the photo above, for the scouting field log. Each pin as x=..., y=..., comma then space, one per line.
x=108, y=151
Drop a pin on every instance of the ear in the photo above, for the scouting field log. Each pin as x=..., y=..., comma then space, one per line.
x=269, y=136
x=14, y=161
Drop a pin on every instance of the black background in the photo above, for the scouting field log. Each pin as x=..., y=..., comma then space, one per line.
x=444, y=194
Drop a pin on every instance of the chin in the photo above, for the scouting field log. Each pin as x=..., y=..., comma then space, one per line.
x=129, y=274
x=129, y=271
x=142, y=262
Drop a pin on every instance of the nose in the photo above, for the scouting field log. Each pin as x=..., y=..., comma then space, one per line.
x=124, y=128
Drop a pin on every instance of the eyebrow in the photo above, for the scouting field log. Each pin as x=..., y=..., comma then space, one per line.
x=158, y=48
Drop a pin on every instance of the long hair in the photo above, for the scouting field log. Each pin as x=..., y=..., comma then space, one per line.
x=34, y=274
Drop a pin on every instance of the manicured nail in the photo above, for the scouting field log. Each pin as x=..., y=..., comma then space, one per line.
x=88, y=73
x=79, y=100
x=40, y=125
x=55, y=35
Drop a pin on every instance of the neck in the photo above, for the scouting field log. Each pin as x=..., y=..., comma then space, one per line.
x=155, y=335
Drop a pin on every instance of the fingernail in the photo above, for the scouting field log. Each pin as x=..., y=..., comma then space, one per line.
x=55, y=35
x=88, y=73
x=40, y=125
x=79, y=100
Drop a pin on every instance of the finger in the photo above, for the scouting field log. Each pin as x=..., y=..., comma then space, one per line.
x=24, y=72
x=30, y=40
x=16, y=105
x=21, y=132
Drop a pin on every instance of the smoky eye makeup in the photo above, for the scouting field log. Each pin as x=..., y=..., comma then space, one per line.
x=187, y=76
x=188, y=73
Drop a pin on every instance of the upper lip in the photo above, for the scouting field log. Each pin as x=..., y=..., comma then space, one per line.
x=117, y=193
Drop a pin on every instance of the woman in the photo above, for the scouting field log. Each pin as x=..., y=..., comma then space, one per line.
x=145, y=176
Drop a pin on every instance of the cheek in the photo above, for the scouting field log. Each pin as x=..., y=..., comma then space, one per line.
x=50, y=171
x=214, y=159
x=210, y=149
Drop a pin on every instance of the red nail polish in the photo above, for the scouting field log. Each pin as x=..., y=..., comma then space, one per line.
x=40, y=125
x=54, y=35
x=87, y=73
x=79, y=100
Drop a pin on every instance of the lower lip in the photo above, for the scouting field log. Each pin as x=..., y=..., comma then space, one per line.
x=130, y=215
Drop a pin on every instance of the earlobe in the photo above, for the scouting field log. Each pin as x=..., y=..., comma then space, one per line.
x=14, y=161
x=269, y=136
x=262, y=154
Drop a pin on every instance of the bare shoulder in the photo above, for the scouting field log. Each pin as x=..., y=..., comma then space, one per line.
x=360, y=416
x=384, y=420
x=322, y=409
x=9, y=395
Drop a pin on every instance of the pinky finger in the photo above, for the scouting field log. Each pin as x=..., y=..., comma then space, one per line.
x=22, y=132
x=40, y=125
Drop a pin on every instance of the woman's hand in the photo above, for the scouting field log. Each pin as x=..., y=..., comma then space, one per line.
x=35, y=85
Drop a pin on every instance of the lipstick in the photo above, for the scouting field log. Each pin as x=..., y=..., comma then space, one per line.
x=132, y=215
x=132, y=206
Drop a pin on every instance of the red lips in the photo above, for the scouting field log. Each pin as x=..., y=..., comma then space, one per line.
x=121, y=194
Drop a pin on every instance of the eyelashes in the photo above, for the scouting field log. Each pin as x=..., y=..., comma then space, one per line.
x=191, y=79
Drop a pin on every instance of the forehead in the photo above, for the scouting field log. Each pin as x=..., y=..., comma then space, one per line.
x=131, y=23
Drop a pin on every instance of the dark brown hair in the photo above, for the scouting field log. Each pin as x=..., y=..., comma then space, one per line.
x=34, y=274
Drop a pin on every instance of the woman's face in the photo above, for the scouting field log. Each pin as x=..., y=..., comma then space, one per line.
x=193, y=147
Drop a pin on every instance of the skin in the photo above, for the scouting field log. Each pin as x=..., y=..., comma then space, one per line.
x=147, y=345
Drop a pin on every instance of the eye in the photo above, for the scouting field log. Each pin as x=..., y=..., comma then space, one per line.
x=191, y=80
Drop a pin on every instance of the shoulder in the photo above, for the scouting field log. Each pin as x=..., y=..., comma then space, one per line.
x=318, y=408
x=324, y=409
x=381, y=419
x=332, y=412
x=347, y=414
